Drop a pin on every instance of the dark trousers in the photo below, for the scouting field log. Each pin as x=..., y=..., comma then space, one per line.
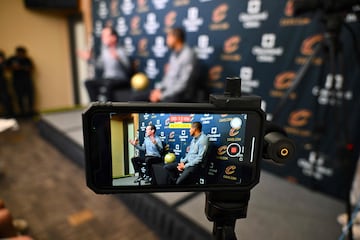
x=104, y=88
x=188, y=176
x=24, y=91
x=5, y=99
x=148, y=160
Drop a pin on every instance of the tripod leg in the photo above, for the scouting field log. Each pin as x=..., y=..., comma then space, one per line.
x=224, y=230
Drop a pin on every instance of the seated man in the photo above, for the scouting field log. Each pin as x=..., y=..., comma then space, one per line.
x=115, y=66
x=152, y=146
x=185, y=171
x=176, y=84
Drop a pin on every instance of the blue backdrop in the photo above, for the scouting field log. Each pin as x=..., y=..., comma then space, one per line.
x=264, y=44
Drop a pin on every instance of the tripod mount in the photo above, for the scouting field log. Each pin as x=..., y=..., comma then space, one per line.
x=225, y=207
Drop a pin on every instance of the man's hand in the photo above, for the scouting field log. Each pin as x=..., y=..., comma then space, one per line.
x=155, y=95
x=181, y=166
x=86, y=55
x=134, y=142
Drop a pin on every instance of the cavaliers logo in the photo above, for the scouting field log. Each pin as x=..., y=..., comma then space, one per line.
x=284, y=80
x=289, y=8
x=135, y=25
x=114, y=6
x=219, y=13
x=171, y=134
x=215, y=73
x=141, y=3
x=232, y=44
x=229, y=170
x=233, y=132
x=170, y=19
x=300, y=118
x=142, y=6
x=142, y=46
x=309, y=44
x=221, y=150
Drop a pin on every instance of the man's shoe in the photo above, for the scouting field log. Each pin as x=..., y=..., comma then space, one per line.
x=147, y=179
x=138, y=180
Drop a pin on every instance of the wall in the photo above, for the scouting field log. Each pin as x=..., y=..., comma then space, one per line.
x=46, y=37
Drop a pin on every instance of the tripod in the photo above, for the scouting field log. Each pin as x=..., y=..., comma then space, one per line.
x=331, y=44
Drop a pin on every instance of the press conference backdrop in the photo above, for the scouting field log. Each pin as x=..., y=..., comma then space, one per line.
x=264, y=44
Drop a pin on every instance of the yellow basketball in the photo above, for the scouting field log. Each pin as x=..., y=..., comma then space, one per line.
x=169, y=158
x=139, y=81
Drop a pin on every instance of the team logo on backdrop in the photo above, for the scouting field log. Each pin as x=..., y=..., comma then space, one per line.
x=221, y=151
x=218, y=18
x=127, y=7
x=151, y=25
x=135, y=25
x=170, y=20
x=103, y=10
x=314, y=166
x=231, y=45
x=289, y=20
x=229, y=170
x=332, y=92
x=282, y=83
x=299, y=119
x=215, y=77
x=159, y=4
x=289, y=8
x=121, y=26
x=214, y=135
x=159, y=49
x=254, y=15
x=203, y=49
x=248, y=84
x=143, y=47
x=307, y=49
x=178, y=3
x=267, y=52
x=193, y=21
x=142, y=6
x=114, y=8
x=129, y=46
x=215, y=73
x=151, y=70
x=98, y=28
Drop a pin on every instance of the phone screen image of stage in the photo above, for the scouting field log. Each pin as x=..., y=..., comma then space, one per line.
x=228, y=158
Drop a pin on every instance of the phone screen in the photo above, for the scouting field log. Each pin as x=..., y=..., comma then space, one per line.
x=173, y=150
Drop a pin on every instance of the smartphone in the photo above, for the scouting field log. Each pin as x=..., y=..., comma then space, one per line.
x=119, y=154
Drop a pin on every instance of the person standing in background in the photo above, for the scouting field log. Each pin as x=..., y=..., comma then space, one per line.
x=21, y=68
x=4, y=90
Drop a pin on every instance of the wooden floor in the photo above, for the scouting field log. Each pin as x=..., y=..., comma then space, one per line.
x=49, y=191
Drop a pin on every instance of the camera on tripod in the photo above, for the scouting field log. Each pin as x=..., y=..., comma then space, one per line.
x=237, y=138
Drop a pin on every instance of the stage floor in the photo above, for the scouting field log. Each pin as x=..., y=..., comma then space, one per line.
x=277, y=209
